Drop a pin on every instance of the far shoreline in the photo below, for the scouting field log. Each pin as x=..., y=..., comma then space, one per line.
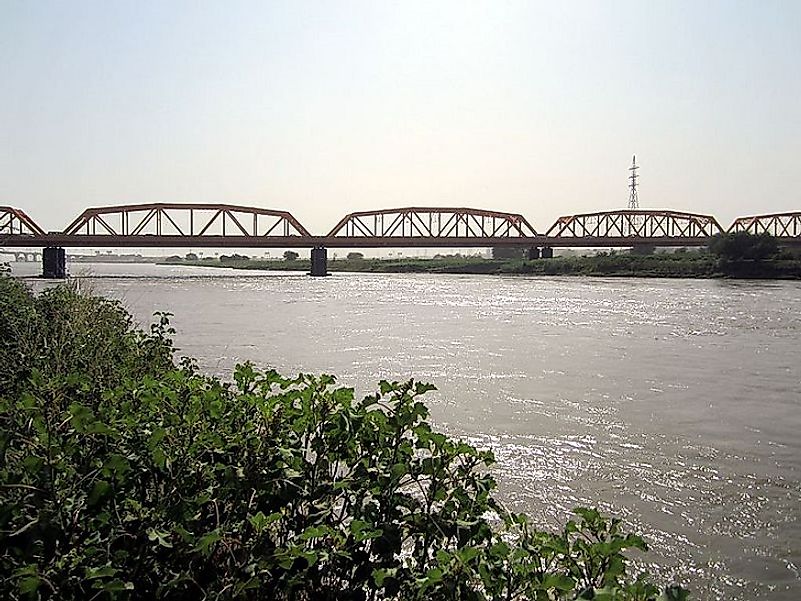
x=694, y=265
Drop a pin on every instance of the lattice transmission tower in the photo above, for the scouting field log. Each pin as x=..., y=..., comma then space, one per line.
x=634, y=201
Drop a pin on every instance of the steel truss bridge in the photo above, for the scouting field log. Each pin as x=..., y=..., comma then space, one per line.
x=175, y=225
x=781, y=225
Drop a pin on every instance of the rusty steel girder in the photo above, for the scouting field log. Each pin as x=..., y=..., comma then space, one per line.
x=433, y=222
x=641, y=224
x=16, y=222
x=189, y=220
x=780, y=225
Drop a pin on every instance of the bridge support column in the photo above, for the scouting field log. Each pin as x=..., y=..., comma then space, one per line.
x=547, y=252
x=54, y=263
x=643, y=249
x=532, y=253
x=319, y=262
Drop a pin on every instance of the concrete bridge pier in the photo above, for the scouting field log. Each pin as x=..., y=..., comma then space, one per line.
x=532, y=253
x=54, y=263
x=535, y=253
x=319, y=262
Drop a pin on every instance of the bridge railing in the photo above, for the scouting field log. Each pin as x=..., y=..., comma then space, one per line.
x=641, y=224
x=184, y=220
x=433, y=222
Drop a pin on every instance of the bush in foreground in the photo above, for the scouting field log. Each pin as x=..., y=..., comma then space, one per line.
x=124, y=476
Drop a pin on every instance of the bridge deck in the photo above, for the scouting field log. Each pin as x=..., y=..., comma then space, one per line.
x=147, y=241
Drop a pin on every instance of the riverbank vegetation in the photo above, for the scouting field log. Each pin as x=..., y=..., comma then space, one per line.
x=738, y=255
x=124, y=475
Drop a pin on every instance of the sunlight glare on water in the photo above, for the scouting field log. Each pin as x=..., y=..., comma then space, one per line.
x=674, y=404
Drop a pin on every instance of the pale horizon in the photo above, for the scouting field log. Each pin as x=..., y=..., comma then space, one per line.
x=322, y=109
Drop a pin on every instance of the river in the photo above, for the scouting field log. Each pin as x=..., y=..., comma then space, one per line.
x=675, y=404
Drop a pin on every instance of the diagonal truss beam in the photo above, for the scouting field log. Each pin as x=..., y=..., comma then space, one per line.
x=182, y=219
x=15, y=222
x=640, y=224
x=780, y=225
x=433, y=222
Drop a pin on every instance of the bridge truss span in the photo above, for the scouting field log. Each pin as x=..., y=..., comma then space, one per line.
x=642, y=225
x=14, y=222
x=180, y=220
x=779, y=225
x=436, y=223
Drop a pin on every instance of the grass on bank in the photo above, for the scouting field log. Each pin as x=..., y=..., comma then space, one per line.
x=124, y=475
x=686, y=264
x=735, y=255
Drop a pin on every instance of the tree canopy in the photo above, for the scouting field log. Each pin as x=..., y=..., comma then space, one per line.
x=742, y=246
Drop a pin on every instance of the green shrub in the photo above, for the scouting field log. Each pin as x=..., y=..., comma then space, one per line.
x=124, y=476
x=743, y=246
x=17, y=311
x=62, y=333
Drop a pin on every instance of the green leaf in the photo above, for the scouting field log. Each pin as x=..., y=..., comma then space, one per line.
x=100, y=489
x=29, y=584
x=104, y=572
x=115, y=586
x=500, y=549
x=98, y=427
x=432, y=577
x=468, y=554
x=314, y=532
x=116, y=465
x=160, y=537
x=81, y=416
x=260, y=521
x=159, y=458
x=443, y=557
x=205, y=543
x=32, y=464
x=379, y=576
x=560, y=582
x=155, y=438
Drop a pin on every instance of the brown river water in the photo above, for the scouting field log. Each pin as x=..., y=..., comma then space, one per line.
x=675, y=404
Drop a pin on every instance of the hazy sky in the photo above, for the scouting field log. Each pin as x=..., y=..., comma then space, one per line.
x=322, y=108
